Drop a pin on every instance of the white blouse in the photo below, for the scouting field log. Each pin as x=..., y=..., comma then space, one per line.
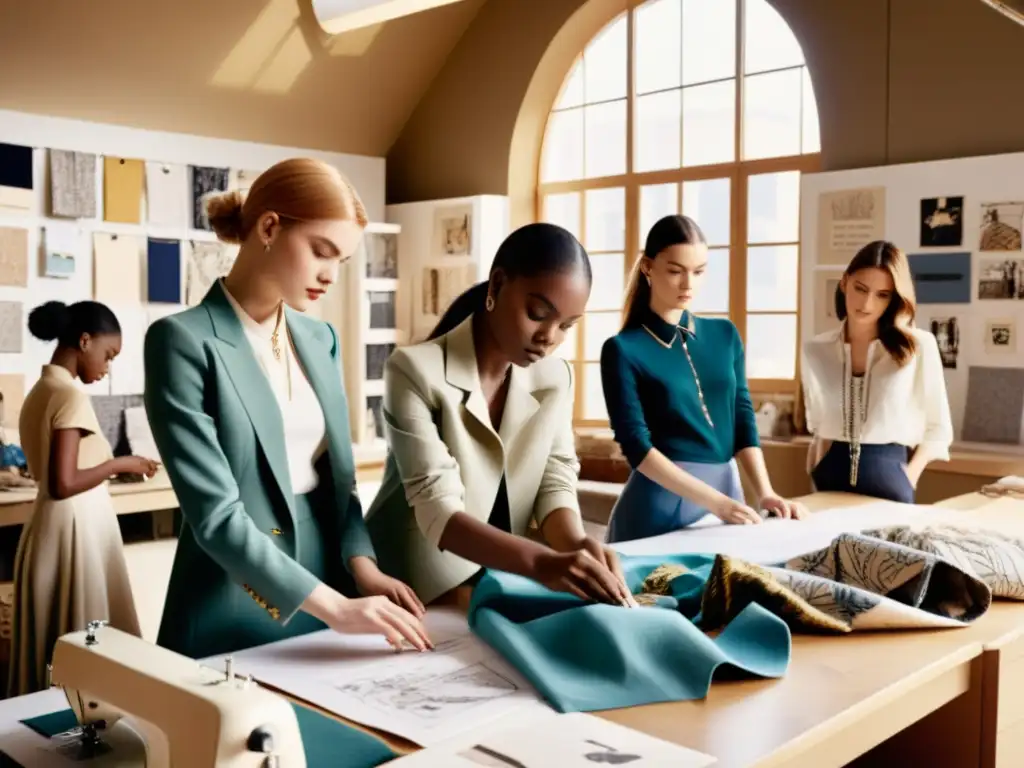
x=904, y=405
x=305, y=430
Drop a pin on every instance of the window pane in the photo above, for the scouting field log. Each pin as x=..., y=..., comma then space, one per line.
x=771, y=346
x=713, y=295
x=769, y=43
x=658, y=31
x=606, y=139
x=572, y=88
x=772, y=277
x=609, y=281
x=771, y=115
x=709, y=124
x=563, y=147
x=564, y=210
x=593, y=393
x=567, y=349
x=657, y=136
x=656, y=201
x=599, y=327
x=604, y=70
x=709, y=40
x=707, y=203
x=773, y=207
x=811, y=136
x=606, y=219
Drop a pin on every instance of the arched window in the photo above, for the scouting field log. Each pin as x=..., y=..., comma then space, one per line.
x=702, y=107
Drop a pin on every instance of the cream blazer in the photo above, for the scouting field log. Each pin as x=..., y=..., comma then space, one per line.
x=445, y=456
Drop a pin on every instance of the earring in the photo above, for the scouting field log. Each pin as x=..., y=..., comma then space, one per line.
x=489, y=304
x=266, y=247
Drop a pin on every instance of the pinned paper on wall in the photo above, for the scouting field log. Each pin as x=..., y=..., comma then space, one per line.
x=163, y=271
x=848, y=220
x=1001, y=336
x=241, y=179
x=12, y=388
x=61, y=246
x=1001, y=225
x=1001, y=278
x=453, y=229
x=167, y=197
x=994, y=406
x=127, y=372
x=442, y=284
x=946, y=331
x=205, y=182
x=207, y=262
x=14, y=257
x=942, y=222
x=122, y=190
x=117, y=269
x=16, y=175
x=11, y=327
x=72, y=184
x=941, y=278
x=825, y=319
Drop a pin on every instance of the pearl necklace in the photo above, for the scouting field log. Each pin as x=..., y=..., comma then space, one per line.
x=854, y=414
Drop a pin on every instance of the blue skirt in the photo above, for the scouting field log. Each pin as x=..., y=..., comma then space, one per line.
x=881, y=472
x=647, y=509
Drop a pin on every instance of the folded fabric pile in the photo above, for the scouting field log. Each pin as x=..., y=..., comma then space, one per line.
x=585, y=657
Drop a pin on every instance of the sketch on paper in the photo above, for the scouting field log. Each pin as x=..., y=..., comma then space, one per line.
x=1001, y=225
x=1001, y=279
x=1001, y=336
x=848, y=220
x=207, y=263
x=453, y=230
x=946, y=331
x=942, y=221
x=381, y=255
x=442, y=284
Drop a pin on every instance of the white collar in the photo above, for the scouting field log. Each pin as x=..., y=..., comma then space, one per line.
x=262, y=330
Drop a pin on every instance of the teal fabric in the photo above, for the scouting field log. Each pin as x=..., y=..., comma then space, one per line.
x=652, y=396
x=583, y=657
x=324, y=739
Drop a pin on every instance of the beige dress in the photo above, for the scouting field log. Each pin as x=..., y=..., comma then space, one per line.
x=70, y=566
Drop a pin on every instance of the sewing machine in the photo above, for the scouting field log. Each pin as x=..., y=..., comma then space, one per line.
x=143, y=705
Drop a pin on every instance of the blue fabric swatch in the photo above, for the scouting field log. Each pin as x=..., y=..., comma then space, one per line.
x=583, y=657
x=324, y=739
x=941, y=278
x=163, y=267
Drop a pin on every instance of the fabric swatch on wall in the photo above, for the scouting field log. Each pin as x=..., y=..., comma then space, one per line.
x=61, y=247
x=11, y=327
x=995, y=405
x=117, y=269
x=207, y=262
x=72, y=184
x=12, y=387
x=16, y=177
x=241, y=179
x=167, y=194
x=163, y=271
x=14, y=257
x=941, y=278
x=122, y=190
x=205, y=181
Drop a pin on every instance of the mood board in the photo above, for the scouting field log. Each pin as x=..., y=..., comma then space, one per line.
x=115, y=214
x=960, y=223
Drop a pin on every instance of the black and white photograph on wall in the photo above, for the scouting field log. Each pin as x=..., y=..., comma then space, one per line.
x=946, y=331
x=382, y=309
x=381, y=255
x=1001, y=279
x=453, y=229
x=1001, y=225
x=942, y=222
x=1001, y=336
x=376, y=356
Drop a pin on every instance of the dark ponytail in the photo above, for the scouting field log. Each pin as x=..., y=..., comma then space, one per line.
x=529, y=251
x=66, y=324
x=666, y=232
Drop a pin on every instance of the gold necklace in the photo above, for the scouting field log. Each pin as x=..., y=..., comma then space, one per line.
x=693, y=368
x=275, y=338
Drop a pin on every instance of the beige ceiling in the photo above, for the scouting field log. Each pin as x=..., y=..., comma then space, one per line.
x=256, y=70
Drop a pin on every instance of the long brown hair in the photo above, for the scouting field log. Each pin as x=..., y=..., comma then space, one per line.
x=666, y=232
x=894, y=324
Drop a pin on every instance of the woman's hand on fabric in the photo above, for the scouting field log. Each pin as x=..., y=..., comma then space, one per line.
x=609, y=558
x=787, y=509
x=733, y=512
x=371, y=581
x=579, y=573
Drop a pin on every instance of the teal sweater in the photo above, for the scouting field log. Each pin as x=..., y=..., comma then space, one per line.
x=652, y=397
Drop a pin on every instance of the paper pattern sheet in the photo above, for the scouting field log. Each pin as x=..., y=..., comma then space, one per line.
x=427, y=698
x=847, y=221
x=14, y=257
x=139, y=434
x=72, y=184
x=207, y=262
x=12, y=315
x=61, y=248
x=122, y=190
x=167, y=198
x=117, y=269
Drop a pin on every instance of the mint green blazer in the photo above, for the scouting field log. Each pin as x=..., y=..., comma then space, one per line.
x=220, y=433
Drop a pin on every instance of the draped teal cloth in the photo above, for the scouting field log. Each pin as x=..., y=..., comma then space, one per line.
x=326, y=741
x=583, y=657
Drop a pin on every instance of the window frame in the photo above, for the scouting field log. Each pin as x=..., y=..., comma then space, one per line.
x=738, y=172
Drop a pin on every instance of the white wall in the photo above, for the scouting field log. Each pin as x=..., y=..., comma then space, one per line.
x=418, y=248
x=42, y=133
x=979, y=180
